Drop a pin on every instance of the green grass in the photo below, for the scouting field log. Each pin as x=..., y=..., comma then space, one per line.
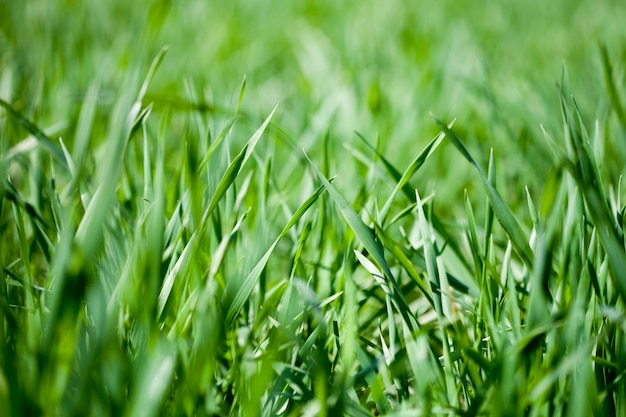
x=312, y=208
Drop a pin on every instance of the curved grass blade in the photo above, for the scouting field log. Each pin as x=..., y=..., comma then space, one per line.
x=364, y=234
x=154, y=66
x=45, y=141
x=245, y=288
x=613, y=90
x=409, y=194
x=411, y=171
x=501, y=210
x=235, y=168
x=406, y=263
x=181, y=264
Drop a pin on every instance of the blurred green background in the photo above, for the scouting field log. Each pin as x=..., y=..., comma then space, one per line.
x=378, y=67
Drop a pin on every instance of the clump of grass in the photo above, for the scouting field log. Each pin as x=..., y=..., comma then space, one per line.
x=168, y=255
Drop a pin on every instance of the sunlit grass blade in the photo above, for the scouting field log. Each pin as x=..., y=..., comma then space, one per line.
x=411, y=171
x=407, y=191
x=364, y=234
x=585, y=171
x=154, y=66
x=396, y=250
x=441, y=298
x=177, y=269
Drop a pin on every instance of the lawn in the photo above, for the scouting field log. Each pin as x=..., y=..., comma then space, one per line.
x=258, y=208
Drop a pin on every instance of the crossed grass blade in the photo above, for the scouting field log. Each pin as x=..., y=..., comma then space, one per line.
x=237, y=293
x=585, y=171
x=235, y=168
x=364, y=234
x=410, y=172
x=41, y=137
x=397, y=251
x=501, y=210
x=402, y=184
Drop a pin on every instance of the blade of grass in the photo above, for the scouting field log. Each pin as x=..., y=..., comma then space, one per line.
x=409, y=194
x=235, y=168
x=43, y=139
x=501, y=210
x=613, y=91
x=411, y=171
x=243, y=289
x=364, y=234
x=441, y=308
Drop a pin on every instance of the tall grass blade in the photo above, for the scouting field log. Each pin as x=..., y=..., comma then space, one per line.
x=364, y=234
x=235, y=168
x=237, y=293
x=501, y=210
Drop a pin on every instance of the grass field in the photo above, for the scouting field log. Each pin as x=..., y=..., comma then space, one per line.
x=257, y=208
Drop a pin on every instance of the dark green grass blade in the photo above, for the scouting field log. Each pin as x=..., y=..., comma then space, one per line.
x=44, y=140
x=411, y=171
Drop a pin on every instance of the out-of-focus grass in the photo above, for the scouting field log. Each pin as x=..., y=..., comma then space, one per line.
x=167, y=249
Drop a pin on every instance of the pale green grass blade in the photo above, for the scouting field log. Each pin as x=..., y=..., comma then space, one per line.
x=397, y=251
x=242, y=93
x=68, y=158
x=152, y=380
x=154, y=66
x=83, y=136
x=236, y=294
x=473, y=240
x=407, y=190
x=225, y=183
x=348, y=336
x=442, y=302
x=411, y=171
x=179, y=268
x=489, y=215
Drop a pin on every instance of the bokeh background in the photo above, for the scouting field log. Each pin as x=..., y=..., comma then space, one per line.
x=376, y=67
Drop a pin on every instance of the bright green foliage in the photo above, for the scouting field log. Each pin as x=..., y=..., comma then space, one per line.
x=177, y=241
